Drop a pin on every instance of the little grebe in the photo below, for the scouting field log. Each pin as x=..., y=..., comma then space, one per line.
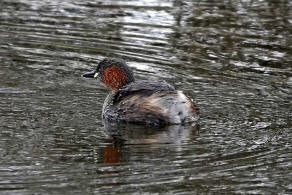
x=154, y=103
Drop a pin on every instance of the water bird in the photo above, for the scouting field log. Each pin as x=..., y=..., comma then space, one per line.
x=145, y=102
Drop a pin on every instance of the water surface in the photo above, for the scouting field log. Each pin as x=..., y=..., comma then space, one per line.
x=233, y=57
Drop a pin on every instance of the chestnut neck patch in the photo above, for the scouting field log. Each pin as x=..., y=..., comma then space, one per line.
x=114, y=77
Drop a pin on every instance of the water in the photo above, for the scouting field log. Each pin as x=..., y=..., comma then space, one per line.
x=233, y=57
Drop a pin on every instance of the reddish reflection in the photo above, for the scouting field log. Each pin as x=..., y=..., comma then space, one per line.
x=111, y=154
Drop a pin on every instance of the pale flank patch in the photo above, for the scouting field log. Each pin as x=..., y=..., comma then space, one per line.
x=177, y=107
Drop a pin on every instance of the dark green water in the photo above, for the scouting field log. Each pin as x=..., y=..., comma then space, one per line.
x=233, y=57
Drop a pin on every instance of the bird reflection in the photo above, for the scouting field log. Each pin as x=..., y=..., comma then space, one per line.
x=122, y=137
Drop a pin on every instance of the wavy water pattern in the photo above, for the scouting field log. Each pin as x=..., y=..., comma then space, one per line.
x=233, y=57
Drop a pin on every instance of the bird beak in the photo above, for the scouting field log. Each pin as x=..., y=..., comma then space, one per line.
x=91, y=74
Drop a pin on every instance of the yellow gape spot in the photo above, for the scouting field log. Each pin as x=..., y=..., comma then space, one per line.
x=95, y=75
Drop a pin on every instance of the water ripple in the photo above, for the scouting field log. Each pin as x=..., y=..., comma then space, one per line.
x=233, y=58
